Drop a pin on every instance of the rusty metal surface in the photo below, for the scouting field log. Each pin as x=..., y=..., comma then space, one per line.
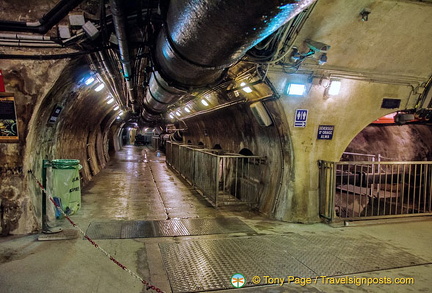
x=209, y=264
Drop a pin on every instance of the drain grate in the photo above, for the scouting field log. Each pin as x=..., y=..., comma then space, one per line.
x=166, y=228
x=201, y=265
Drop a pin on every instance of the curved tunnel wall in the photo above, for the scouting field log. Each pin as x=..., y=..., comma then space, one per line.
x=414, y=139
x=234, y=129
x=82, y=131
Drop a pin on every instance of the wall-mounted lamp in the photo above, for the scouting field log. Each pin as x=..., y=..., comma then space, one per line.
x=178, y=113
x=334, y=87
x=296, y=89
x=204, y=102
x=110, y=101
x=187, y=109
x=116, y=108
x=246, y=88
x=99, y=87
x=171, y=116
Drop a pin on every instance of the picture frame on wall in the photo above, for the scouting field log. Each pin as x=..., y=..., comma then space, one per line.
x=8, y=119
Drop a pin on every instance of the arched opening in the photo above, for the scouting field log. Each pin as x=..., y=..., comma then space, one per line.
x=246, y=152
x=385, y=170
x=384, y=139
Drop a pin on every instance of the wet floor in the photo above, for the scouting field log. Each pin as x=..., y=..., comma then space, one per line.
x=160, y=228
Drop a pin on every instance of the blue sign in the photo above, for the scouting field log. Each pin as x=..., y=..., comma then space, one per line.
x=325, y=131
x=300, y=118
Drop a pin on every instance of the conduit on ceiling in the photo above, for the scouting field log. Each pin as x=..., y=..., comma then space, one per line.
x=202, y=39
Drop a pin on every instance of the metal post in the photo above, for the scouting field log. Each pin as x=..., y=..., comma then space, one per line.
x=45, y=164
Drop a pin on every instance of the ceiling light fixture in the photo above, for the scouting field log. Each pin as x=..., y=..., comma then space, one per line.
x=204, y=102
x=89, y=80
x=99, y=87
x=246, y=88
x=187, y=109
x=110, y=101
x=116, y=108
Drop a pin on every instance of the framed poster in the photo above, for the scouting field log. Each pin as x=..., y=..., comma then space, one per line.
x=8, y=120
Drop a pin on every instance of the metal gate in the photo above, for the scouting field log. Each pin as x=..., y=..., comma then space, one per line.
x=370, y=190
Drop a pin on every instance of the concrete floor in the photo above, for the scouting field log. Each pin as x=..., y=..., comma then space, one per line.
x=137, y=185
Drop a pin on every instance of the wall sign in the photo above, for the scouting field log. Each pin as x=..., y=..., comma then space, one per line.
x=55, y=114
x=2, y=86
x=300, y=118
x=8, y=120
x=325, y=132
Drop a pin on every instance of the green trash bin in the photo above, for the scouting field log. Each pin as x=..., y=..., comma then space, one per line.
x=64, y=184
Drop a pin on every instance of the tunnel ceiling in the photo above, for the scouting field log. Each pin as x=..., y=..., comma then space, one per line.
x=119, y=39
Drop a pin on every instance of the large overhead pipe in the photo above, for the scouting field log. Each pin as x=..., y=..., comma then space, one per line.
x=120, y=22
x=45, y=23
x=203, y=38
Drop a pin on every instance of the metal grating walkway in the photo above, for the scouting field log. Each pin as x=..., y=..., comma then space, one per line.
x=209, y=264
x=166, y=228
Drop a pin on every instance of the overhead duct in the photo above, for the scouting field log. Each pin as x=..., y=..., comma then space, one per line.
x=120, y=22
x=204, y=38
x=45, y=23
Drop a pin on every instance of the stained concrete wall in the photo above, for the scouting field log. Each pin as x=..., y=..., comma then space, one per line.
x=356, y=106
x=81, y=132
x=29, y=82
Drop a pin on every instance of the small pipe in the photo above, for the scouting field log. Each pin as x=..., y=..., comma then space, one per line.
x=46, y=57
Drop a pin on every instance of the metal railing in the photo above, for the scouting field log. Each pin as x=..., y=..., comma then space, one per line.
x=370, y=190
x=222, y=178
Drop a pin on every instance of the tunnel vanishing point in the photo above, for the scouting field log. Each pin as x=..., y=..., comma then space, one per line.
x=281, y=85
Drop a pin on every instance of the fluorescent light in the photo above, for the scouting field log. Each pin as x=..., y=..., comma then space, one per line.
x=187, y=109
x=246, y=88
x=334, y=88
x=204, y=102
x=99, y=87
x=116, y=108
x=89, y=80
x=171, y=116
x=110, y=101
x=178, y=113
x=296, y=89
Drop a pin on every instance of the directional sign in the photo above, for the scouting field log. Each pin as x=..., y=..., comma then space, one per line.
x=325, y=131
x=300, y=118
